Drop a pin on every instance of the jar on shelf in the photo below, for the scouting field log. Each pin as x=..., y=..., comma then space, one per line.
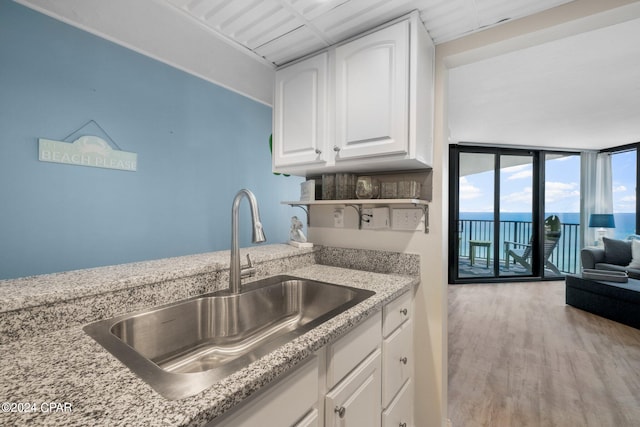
x=367, y=187
x=345, y=186
x=409, y=189
x=328, y=186
x=389, y=190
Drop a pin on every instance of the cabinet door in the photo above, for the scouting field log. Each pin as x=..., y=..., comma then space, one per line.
x=355, y=401
x=372, y=94
x=300, y=116
x=350, y=350
x=280, y=404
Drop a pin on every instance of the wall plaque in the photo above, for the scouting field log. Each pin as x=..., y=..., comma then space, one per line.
x=87, y=150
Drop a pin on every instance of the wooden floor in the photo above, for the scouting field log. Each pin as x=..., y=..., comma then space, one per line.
x=518, y=356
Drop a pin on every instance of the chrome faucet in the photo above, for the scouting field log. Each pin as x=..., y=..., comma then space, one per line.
x=236, y=273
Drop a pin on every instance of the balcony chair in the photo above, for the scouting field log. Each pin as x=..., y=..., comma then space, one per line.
x=521, y=252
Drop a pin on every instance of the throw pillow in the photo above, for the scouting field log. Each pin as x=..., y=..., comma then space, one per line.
x=617, y=252
x=635, y=254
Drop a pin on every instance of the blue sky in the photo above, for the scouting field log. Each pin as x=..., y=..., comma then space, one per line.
x=623, y=166
x=562, y=187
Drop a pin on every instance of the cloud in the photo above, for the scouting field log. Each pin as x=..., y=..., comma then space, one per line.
x=619, y=189
x=517, y=168
x=559, y=191
x=521, y=175
x=625, y=204
x=518, y=171
x=521, y=197
x=468, y=191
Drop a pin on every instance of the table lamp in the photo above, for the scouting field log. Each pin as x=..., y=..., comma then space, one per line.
x=601, y=221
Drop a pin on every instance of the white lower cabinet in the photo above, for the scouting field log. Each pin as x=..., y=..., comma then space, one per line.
x=310, y=420
x=355, y=401
x=397, y=367
x=400, y=410
x=285, y=403
x=363, y=379
x=344, y=355
x=397, y=362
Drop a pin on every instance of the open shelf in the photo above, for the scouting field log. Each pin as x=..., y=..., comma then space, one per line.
x=357, y=205
x=417, y=202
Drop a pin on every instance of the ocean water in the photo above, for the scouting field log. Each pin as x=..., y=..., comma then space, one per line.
x=565, y=256
x=625, y=222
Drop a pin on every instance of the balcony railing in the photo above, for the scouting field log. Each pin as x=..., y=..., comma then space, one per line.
x=565, y=256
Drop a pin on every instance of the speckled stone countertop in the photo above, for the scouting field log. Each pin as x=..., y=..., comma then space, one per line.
x=50, y=288
x=40, y=304
x=67, y=366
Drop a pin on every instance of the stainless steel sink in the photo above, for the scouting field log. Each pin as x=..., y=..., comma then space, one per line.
x=183, y=348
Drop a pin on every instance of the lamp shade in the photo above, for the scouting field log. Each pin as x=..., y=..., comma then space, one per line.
x=602, y=221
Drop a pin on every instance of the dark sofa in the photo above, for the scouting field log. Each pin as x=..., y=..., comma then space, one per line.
x=615, y=301
x=616, y=255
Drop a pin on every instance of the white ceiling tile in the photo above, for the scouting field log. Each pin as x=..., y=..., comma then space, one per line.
x=257, y=23
x=199, y=8
x=270, y=28
x=290, y=46
x=247, y=25
x=179, y=3
x=311, y=9
x=235, y=11
x=357, y=16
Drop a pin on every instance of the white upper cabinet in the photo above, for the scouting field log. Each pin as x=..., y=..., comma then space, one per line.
x=300, y=116
x=361, y=106
x=372, y=83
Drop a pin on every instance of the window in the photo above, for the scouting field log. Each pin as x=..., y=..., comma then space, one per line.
x=623, y=177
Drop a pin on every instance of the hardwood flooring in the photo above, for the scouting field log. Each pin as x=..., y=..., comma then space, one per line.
x=518, y=356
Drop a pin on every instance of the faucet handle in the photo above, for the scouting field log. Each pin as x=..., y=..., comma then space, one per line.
x=247, y=270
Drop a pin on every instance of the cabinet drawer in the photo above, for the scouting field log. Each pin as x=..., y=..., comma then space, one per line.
x=346, y=353
x=282, y=404
x=397, y=361
x=400, y=411
x=396, y=312
x=355, y=402
x=310, y=420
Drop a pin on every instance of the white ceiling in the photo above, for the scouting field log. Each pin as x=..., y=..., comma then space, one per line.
x=282, y=30
x=578, y=92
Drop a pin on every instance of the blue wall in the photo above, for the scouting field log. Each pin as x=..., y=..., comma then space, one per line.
x=197, y=144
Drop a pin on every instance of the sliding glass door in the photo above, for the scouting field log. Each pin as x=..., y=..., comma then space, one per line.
x=515, y=214
x=476, y=215
x=493, y=214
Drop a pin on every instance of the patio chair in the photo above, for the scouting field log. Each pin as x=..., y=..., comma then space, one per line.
x=521, y=252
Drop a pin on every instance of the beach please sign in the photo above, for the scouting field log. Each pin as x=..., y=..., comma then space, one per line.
x=87, y=150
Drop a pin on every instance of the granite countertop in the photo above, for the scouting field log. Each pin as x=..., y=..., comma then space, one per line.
x=34, y=291
x=91, y=387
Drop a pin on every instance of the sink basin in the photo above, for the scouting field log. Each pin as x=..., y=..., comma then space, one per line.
x=183, y=348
